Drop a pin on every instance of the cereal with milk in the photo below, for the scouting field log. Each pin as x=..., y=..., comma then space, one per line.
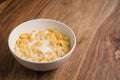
x=42, y=46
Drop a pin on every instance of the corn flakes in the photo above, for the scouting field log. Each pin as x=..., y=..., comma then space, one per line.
x=41, y=46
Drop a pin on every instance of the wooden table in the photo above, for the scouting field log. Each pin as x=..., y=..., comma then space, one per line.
x=96, y=24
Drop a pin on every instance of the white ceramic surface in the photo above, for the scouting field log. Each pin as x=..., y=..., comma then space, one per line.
x=38, y=24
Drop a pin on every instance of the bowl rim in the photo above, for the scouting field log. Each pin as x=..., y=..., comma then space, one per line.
x=67, y=54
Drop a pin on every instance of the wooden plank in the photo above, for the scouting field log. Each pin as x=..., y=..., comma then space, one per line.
x=100, y=62
x=89, y=19
x=4, y=4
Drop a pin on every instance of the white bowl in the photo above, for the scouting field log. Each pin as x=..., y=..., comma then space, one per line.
x=39, y=24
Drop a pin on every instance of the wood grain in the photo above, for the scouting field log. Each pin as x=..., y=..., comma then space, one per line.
x=4, y=4
x=96, y=24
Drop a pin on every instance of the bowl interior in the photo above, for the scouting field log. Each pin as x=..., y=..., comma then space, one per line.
x=39, y=24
